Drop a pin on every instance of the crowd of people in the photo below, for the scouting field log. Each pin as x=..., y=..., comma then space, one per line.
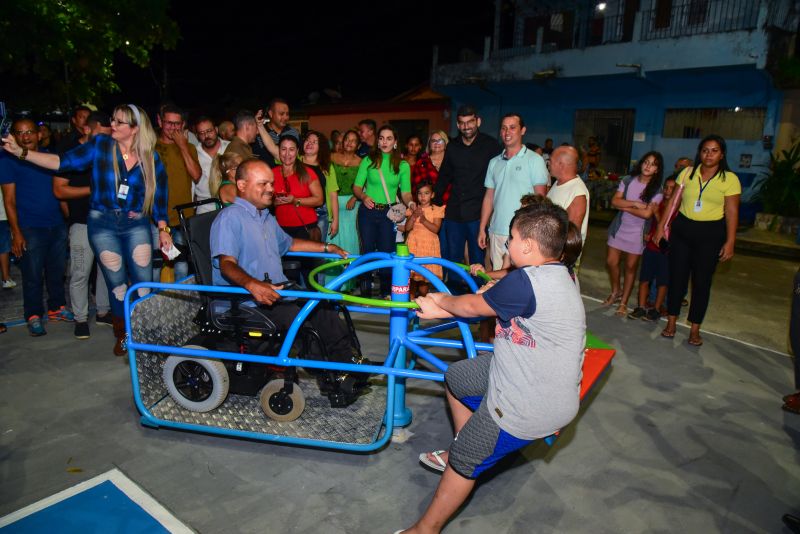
x=458, y=197
x=681, y=227
x=519, y=212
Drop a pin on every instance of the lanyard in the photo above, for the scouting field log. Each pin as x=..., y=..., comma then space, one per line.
x=122, y=188
x=703, y=187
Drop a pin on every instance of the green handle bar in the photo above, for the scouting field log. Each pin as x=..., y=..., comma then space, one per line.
x=364, y=300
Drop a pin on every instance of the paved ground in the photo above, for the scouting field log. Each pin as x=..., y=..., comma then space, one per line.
x=750, y=297
x=673, y=439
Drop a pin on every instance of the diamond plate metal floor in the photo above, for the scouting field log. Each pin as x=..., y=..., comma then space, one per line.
x=166, y=319
x=361, y=422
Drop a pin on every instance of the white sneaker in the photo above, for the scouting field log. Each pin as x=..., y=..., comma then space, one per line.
x=9, y=284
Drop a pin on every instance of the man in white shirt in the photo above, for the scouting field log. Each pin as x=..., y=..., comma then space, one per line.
x=209, y=146
x=569, y=191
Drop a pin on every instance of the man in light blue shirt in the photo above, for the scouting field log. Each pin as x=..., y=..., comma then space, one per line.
x=247, y=245
x=513, y=174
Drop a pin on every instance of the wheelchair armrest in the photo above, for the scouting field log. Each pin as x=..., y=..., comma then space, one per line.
x=235, y=316
x=290, y=265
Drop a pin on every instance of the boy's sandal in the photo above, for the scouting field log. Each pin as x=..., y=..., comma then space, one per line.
x=667, y=333
x=695, y=341
x=437, y=463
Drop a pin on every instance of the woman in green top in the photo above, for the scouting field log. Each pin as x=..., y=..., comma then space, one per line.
x=317, y=155
x=222, y=182
x=383, y=165
x=346, y=166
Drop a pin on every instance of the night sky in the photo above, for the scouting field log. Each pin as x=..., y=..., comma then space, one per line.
x=238, y=54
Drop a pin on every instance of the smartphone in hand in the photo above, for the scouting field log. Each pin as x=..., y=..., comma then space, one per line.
x=5, y=121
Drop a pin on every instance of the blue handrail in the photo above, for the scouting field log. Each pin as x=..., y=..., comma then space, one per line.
x=394, y=367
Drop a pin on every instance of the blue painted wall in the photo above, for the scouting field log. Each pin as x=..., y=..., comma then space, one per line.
x=548, y=106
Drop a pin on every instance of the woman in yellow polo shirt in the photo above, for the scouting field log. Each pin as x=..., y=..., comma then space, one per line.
x=703, y=232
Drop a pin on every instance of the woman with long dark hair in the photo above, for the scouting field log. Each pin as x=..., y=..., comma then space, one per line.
x=383, y=165
x=317, y=155
x=413, y=149
x=637, y=196
x=346, y=164
x=297, y=193
x=703, y=232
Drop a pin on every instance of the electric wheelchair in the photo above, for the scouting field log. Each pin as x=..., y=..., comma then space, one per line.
x=233, y=323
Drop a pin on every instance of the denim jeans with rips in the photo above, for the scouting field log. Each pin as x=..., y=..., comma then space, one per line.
x=122, y=243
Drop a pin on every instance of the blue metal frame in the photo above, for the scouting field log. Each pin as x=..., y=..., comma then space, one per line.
x=397, y=367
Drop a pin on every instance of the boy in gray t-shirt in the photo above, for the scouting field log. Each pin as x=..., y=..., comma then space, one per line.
x=530, y=387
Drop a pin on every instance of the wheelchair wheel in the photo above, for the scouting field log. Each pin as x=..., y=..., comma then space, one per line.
x=197, y=384
x=280, y=405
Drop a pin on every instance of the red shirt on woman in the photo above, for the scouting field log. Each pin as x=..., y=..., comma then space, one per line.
x=290, y=215
x=424, y=169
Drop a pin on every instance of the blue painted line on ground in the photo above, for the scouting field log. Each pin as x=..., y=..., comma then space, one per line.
x=102, y=508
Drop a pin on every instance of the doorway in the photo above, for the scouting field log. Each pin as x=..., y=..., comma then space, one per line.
x=613, y=129
x=406, y=128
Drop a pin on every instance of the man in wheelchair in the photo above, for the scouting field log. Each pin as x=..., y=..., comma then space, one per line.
x=246, y=250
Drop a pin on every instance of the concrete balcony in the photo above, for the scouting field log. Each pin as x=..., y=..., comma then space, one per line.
x=730, y=34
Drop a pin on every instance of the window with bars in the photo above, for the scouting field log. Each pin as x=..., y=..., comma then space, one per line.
x=731, y=123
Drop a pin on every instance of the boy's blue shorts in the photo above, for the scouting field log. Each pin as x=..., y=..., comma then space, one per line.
x=481, y=443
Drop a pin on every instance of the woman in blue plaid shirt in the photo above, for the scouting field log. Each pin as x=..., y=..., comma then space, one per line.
x=128, y=189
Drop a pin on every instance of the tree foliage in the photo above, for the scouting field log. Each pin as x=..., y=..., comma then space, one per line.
x=780, y=191
x=52, y=51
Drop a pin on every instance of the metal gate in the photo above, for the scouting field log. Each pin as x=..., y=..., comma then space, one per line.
x=613, y=129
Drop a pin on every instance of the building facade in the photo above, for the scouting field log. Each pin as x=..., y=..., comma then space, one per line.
x=638, y=74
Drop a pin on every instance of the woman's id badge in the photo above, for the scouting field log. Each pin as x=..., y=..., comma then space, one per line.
x=122, y=193
x=698, y=206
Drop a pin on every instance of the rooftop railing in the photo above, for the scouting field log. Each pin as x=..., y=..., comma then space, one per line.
x=697, y=17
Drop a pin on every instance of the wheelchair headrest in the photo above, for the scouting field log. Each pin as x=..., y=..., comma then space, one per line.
x=199, y=238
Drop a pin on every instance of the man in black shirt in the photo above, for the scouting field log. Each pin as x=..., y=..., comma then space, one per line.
x=464, y=167
x=73, y=188
x=366, y=132
x=78, y=134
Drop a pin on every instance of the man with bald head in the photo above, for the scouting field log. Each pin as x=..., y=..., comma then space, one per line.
x=246, y=248
x=569, y=191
